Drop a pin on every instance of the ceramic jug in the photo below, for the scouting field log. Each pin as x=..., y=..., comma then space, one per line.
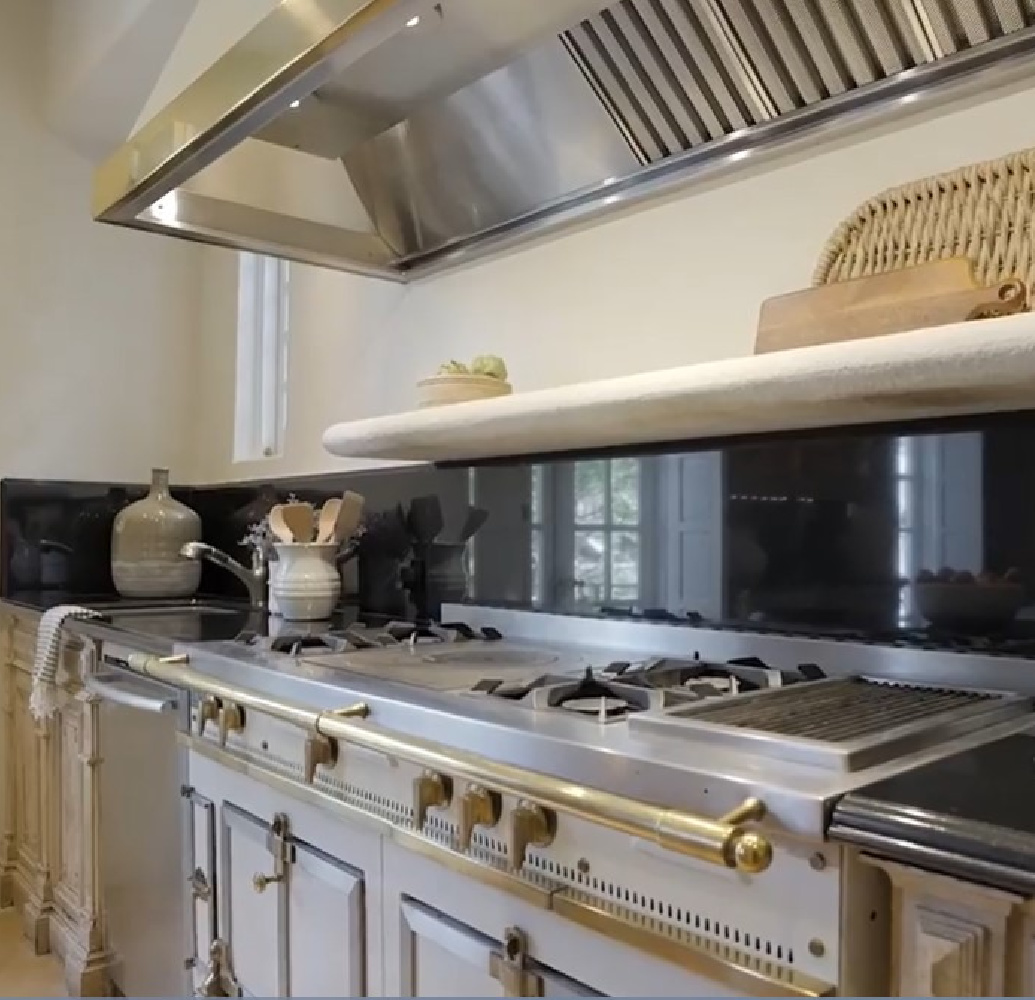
x=145, y=545
x=306, y=583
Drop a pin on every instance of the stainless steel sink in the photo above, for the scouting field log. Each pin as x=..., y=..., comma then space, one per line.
x=184, y=621
x=188, y=605
x=185, y=610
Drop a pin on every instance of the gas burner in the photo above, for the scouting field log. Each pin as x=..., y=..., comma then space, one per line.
x=602, y=707
x=429, y=632
x=706, y=679
x=297, y=643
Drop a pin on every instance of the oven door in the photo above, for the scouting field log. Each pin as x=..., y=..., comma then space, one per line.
x=142, y=830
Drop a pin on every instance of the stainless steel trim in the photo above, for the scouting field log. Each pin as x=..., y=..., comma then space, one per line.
x=194, y=798
x=123, y=688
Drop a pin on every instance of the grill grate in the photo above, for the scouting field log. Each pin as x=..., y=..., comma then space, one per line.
x=675, y=74
x=838, y=711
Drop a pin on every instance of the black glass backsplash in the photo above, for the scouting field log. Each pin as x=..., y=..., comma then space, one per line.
x=822, y=533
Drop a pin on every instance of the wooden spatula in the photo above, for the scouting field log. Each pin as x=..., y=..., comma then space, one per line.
x=278, y=525
x=328, y=519
x=299, y=519
x=350, y=513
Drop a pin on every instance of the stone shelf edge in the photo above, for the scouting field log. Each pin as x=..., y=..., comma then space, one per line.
x=964, y=368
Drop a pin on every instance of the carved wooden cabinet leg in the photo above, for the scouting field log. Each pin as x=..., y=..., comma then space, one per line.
x=78, y=919
x=7, y=758
x=33, y=887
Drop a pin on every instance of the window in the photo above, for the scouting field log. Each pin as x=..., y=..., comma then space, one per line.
x=260, y=413
x=606, y=497
x=585, y=533
x=905, y=507
x=536, y=528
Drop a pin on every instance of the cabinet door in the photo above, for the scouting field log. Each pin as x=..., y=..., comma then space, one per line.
x=442, y=957
x=253, y=922
x=326, y=939
x=202, y=887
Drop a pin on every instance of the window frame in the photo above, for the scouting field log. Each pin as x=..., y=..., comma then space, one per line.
x=263, y=335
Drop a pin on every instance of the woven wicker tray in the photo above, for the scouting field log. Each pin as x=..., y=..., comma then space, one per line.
x=983, y=211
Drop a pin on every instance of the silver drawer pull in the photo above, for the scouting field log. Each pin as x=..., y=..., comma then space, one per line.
x=130, y=692
x=199, y=886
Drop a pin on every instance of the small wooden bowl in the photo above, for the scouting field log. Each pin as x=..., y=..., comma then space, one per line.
x=440, y=390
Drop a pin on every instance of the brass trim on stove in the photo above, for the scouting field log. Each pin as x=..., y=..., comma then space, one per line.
x=741, y=972
x=724, y=841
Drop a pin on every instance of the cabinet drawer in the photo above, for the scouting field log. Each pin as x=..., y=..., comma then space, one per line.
x=443, y=957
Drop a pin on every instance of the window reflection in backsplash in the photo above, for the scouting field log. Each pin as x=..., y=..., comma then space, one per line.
x=822, y=532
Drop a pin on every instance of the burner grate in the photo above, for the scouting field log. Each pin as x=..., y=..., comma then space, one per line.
x=839, y=711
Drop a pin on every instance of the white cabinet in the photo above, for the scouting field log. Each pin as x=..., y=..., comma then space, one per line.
x=442, y=957
x=297, y=918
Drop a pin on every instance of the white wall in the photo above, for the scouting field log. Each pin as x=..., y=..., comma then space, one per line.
x=679, y=283
x=98, y=326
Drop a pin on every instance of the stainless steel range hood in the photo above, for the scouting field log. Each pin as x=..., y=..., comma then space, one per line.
x=401, y=137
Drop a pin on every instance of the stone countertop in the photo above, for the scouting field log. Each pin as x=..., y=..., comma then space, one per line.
x=969, y=815
x=131, y=624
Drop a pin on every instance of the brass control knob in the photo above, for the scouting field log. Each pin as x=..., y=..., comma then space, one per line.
x=747, y=850
x=260, y=881
x=231, y=720
x=208, y=711
x=752, y=853
x=430, y=790
x=319, y=750
x=478, y=807
x=530, y=826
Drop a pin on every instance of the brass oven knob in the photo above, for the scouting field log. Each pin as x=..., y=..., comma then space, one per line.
x=319, y=750
x=478, y=807
x=231, y=720
x=530, y=826
x=208, y=711
x=430, y=790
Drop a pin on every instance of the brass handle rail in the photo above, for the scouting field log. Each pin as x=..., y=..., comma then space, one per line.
x=724, y=841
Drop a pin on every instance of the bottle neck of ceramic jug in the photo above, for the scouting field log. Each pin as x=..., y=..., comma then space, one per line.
x=160, y=483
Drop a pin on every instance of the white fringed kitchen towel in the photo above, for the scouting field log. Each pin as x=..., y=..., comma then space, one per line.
x=43, y=700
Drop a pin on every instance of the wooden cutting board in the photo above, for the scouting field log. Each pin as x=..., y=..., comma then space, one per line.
x=934, y=294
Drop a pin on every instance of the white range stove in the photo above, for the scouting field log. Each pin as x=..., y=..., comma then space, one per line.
x=671, y=724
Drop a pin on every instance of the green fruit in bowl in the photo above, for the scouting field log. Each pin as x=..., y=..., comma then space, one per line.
x=453, y=368
x=490, y=365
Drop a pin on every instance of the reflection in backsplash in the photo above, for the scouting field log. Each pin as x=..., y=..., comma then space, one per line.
x=823, y=532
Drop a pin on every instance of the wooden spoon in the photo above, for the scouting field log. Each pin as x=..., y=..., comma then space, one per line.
x=350, y=513
x=328, y=520
x=299, y=519
x=278, y=525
